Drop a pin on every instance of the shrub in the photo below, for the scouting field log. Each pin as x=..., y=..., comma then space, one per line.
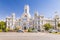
x=6, y=30
x=29, y=30
x=33, y=28
x=17, y=28
x=0, y=30
x=58, y=24
x=47, y=26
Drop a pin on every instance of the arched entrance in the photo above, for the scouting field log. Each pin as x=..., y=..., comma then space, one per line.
x=25, y=28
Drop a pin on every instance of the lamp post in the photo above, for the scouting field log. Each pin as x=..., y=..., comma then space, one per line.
x=56, y=22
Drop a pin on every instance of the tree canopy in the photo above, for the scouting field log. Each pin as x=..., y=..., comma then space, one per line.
x=58, y=24
x=47, y=26
x=2, y=25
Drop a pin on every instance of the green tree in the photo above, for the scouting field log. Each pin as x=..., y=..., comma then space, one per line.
x=2, y=25
x=0, y=30
x=47, y=26
x=30, y=30
x=7, y=29
x=58, y=24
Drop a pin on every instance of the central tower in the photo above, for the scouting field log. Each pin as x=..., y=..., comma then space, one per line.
x=25, y=18
x=26, y=11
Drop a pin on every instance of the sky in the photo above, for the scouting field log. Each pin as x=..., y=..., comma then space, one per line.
x=44, y=7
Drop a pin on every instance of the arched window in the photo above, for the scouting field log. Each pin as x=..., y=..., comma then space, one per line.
x=25, y=10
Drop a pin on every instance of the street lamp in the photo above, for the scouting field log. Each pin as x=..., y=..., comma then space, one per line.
x=55, y=24
x=56, y=21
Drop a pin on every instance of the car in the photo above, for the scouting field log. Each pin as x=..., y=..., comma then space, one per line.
x=20, y=31
x=52, y=31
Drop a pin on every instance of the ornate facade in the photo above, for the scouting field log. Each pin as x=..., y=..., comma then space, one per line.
x=26, y=21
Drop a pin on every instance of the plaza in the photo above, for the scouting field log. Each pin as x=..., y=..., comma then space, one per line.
x=28, y=36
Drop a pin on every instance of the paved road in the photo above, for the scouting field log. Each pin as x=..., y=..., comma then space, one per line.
x=29, y=36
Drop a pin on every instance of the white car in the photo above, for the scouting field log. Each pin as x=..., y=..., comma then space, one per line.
x=52, y=31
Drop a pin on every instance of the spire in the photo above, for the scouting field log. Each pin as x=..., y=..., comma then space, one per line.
x=13, y=15
x=36, y=13
x=26, y=9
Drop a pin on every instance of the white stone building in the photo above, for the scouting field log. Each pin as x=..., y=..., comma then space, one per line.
x=26, y=21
